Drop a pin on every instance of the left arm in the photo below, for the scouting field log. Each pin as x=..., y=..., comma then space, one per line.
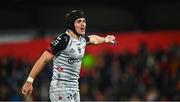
x=95, y=39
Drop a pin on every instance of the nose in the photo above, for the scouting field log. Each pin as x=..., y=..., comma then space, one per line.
x=83, y=24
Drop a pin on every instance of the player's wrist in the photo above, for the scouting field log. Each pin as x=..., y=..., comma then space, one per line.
x=30, y=79
x=106, y=40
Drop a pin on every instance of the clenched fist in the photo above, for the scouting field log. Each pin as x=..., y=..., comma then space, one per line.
x=27, y=89
x=110, y=39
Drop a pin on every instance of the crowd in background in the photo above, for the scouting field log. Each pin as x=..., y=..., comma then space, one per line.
x=145, y=76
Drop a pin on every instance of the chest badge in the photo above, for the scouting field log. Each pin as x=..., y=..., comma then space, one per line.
x=72, y=51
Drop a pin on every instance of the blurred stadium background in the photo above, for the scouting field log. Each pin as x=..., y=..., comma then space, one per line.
x=143, y=66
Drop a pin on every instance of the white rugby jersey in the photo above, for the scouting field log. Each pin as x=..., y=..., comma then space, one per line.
x=68, y=53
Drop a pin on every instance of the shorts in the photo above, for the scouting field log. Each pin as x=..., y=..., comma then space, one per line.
x=65, y=96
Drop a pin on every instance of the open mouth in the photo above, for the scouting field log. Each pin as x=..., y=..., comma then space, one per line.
x=83, y=29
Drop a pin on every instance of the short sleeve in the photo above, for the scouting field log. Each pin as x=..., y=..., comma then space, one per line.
x=86, y=38
x=58, y=44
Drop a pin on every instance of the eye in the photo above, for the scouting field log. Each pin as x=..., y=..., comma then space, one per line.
x=84, y=21
x=78, y=21
x=81, y=21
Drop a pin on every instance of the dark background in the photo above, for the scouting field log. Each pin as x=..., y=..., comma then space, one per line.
x=102, y=15
x=149, y=27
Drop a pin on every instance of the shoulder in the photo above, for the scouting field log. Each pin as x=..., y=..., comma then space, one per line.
x=59, y=43
x=60, y=39
x=63, y=36
x=86, y=37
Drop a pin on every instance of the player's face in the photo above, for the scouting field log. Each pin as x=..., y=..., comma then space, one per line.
x=80, y=26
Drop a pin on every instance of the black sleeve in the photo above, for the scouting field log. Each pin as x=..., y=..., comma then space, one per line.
x=86, y=38
x=58, y=44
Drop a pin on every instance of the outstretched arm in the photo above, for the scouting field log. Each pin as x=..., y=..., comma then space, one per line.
x=95, y=39
x=38, y=66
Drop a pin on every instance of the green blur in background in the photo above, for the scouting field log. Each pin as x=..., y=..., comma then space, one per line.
x=89, y=61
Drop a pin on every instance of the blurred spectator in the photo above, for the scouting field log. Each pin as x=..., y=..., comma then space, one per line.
x=145, y=76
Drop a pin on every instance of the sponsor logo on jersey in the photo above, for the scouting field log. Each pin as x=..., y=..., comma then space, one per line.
x=74, y=60
x=59, y=69
x=56, y=41
x=70, y=96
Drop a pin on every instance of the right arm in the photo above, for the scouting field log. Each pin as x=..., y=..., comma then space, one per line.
x=57, y=45
x=38, y=66
x=45, y=58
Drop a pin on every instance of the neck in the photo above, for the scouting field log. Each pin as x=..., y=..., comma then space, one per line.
x=72, y=34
